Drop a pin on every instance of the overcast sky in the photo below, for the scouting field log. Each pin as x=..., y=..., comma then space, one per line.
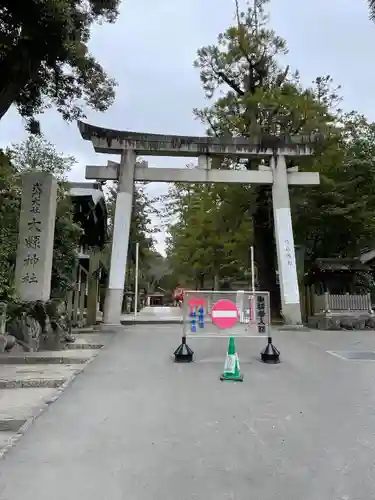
x=150, y=51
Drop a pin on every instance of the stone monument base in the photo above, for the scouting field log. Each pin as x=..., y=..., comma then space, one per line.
x=36, y=326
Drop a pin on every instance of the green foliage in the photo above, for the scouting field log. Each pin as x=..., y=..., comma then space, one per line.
x=36, y=154
x=140, y=227
x=208, y=240
x=9, y=210
x=154, y=272
x=67, y=235
x=44, y=57
x=336, y=219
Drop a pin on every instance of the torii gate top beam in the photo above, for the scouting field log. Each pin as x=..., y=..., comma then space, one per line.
x=142, y=173
x=110, y=141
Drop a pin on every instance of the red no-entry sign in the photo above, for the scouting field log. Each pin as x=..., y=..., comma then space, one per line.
x=224, y=314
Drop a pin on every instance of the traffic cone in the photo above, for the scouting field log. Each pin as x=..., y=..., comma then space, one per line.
x=232, y=364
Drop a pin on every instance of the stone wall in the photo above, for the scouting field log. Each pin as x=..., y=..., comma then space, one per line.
x=359, y=320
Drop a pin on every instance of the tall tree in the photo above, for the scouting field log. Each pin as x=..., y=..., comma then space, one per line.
x=260, y=96
x=44, y=58
x=336, y=219
x=208, y=240
x=155, y=272
x=35, y=153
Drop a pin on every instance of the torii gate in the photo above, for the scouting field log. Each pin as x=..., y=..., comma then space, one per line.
x=210, y=151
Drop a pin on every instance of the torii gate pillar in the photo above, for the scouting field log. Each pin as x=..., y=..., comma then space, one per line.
x=289, y=290
x=120, y=239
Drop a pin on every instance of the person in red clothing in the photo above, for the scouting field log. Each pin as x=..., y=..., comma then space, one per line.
x=178, y=296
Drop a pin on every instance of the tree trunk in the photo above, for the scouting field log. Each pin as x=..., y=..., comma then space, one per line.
x=128, y=271
x=17, y=69
x=7, y=97
x=265, y=247
x=216, y=281
x=201, y=281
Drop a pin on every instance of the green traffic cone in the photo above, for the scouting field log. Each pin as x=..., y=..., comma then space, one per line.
x=232, y=364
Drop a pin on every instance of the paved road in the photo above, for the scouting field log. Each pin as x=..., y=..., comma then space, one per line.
x=136, y=426
x=152, y=314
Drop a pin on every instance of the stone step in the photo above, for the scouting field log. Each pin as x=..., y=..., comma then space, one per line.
x=82, y=345
x=11, y=425
x=31, y=383
x=36, y=375
x=67, y=356
x=19, y=405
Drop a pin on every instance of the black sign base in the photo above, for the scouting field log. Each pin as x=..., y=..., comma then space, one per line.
x=183, y=353
x=270, y=354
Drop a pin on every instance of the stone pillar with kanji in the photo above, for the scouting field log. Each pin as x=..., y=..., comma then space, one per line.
x=36, y=237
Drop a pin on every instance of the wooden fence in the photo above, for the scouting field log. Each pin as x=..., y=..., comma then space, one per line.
x=76, y=299
x=346, y=302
